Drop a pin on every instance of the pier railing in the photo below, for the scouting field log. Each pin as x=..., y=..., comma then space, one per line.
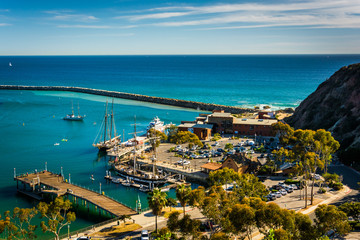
x=75, y=184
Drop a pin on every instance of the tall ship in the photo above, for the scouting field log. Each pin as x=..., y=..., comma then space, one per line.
x=107, y=137
x=72, y=116
x=133, y=174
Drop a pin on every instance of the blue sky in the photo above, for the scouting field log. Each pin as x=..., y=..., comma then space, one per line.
x=127, y=27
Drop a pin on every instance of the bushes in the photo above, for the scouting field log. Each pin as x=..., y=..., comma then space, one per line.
x=216, y=137
x=291, y=181
x=336, y=186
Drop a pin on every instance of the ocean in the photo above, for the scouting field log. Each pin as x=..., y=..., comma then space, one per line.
x=31, y=121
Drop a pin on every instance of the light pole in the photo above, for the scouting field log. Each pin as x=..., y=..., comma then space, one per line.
x=69, y=181
x=100, y=188
x=69, y=231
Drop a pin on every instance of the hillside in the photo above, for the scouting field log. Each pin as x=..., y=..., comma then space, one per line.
x=335, y=106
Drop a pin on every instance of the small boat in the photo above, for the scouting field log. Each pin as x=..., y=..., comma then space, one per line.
x=133, y=184
x=126, y=183
x=92, y=178
x=72, y=116
x=56, y=144
x=117, y=180
x=10, y=65
x=165, y=189
x=144, y=188
x=64, y=140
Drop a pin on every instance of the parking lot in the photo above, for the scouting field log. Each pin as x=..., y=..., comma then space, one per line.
x=192, y=159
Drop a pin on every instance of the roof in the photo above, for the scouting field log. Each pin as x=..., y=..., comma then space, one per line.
x=247, y=121
x=211, y=166
x=194, y=125
x=220, y=114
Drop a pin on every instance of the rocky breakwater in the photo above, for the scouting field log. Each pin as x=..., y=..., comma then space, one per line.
x=335, y=106
x=136, y=97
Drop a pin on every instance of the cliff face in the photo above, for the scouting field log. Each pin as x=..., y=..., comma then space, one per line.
x=334, y=106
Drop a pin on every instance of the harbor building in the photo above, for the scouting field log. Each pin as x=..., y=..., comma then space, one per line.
x=226, y=123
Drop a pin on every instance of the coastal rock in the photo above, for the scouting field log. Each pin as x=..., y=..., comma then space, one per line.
x=335, y=106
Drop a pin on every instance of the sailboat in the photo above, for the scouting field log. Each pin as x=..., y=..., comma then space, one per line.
x=150, y=179
x=72, y=116
x=10, y=65
x=107, y=135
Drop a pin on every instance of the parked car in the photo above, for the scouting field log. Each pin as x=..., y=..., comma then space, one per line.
x=180, y=161
x=289, y=189
x=145, y=235
x=294, y=186
x=83, y=238
x=186, y=162
x=220, y=150
x=271, y=197
x=217, y=154
x=277, y=194
x=283, y=192
x=216, y=144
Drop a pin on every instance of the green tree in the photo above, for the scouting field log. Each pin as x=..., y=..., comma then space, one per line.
x=173, y=221
x=222, y=176
x=57, y=214
x=242, y=218
x=183, y=195
x=17, y=224
x=171, y=202
x=352, y=209
x=186, y=137
x=189, y=226
x=163, y=234
x=197, y=196
x=248, y=185
x=329, y=217
x=157, y=201
x=156, y=137
x=229, y=146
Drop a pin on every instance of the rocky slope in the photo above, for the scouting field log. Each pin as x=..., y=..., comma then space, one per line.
x=335, y=106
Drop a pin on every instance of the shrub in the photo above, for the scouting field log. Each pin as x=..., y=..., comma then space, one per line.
x=322, y=190
x=336, y=186
x=291, y=181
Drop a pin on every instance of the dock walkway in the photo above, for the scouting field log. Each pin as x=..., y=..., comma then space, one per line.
x=56, y=182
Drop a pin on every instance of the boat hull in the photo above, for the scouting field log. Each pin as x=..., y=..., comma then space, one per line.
x=142, y=180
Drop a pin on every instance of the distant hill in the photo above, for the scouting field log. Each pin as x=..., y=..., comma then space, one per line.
x=335, y=106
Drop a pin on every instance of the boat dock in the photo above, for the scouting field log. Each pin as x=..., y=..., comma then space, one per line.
x=47, y=182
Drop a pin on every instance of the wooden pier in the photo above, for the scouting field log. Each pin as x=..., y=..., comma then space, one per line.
x=58, y=187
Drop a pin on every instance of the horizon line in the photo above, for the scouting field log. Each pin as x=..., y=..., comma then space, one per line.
x=204, y=54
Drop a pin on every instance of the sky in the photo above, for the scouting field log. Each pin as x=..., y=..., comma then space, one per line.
x=157, y=27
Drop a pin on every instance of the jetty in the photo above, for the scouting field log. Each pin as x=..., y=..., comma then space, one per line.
x=136, y=97
x=51, y=183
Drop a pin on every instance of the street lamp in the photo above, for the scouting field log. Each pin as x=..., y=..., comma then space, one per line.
x=69, y=231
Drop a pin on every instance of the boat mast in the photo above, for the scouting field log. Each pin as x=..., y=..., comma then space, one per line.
x=112, y=119
x=135, y=145
x=78, y=109
x=72, y=107
x=106, y=116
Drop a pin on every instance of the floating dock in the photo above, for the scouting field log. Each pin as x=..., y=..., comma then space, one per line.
x=47, y=182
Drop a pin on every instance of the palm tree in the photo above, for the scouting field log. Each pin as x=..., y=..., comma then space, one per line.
x=157, y=200
x=183, y=195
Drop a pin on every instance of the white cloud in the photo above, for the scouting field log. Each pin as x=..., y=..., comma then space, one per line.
x=316, y=13
x=85, y=26
x=68, y=15
x=4, y=24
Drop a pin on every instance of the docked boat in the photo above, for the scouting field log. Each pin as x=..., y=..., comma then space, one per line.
x=150, y=179
x=126, y=183
x=156, y=124
x=144, y=188
x=107, y=137
x=117, y=180
x=72, y=116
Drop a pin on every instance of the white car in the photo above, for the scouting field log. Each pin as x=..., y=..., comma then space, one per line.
x=283, y=191
x=180, y=161
x=186, y=162
x=294, y=186
x=317, y=177
x=277, y=194
x=144, y=235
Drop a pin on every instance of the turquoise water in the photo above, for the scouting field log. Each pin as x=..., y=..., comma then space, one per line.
x=31, y=122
